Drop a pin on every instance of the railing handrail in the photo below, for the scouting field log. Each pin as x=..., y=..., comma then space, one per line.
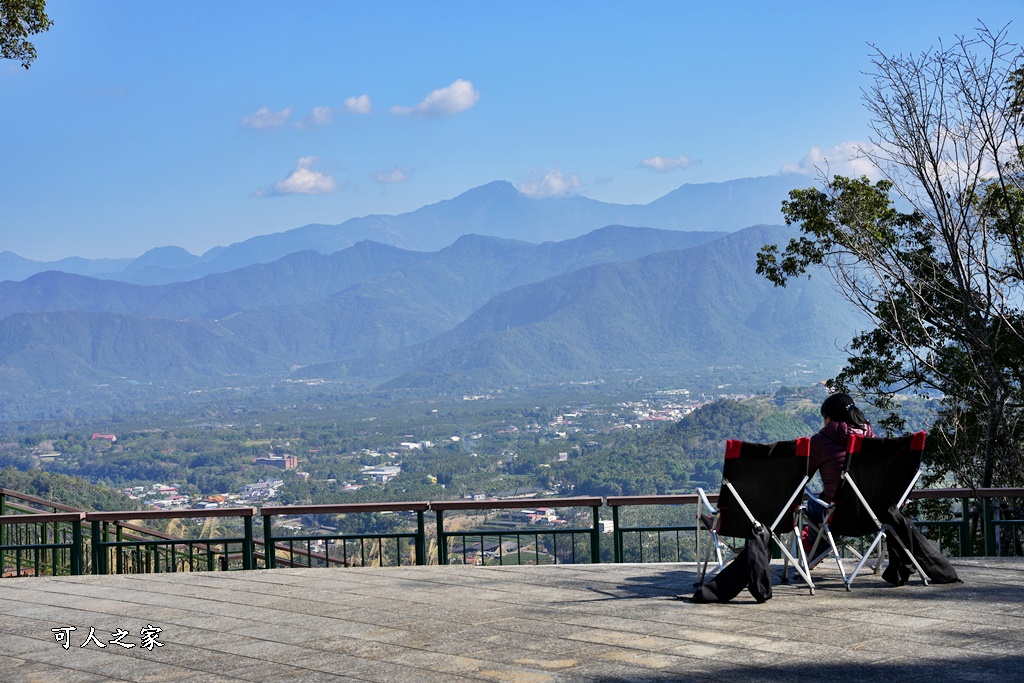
x=43, y=518
x=674, y=499
x=33, y=499
x=451, y=504
x=190, y=513
x=516, y=503
x=341, y=508
x=967, y=493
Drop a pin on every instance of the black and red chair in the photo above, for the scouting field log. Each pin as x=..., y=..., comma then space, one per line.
x=878, y=475
x=762, y=485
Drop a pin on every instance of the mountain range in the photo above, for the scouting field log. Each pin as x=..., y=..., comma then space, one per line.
x=483, y=312
x=496, y=210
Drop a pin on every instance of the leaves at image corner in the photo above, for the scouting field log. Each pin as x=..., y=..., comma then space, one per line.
x=20, y=19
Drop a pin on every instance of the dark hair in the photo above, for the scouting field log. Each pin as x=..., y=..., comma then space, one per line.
x=841, y=408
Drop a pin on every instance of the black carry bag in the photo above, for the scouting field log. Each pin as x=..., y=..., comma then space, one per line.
x=900, y=568
x=749, y=569
x=759, y=573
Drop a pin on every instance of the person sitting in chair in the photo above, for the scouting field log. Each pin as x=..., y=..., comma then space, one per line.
x=828, y=451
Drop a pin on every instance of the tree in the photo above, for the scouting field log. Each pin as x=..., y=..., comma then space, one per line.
x=933, y=253
x=20, y=19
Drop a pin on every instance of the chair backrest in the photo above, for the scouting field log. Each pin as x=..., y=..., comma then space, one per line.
x=883, y=470
x=765, y=476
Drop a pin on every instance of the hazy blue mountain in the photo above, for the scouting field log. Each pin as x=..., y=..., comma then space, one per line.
x=324, y=239
x=14, y=267
x=482, y=312
x=496, y=209
x=725, y=206
x=125, y=326
x=153, y=267
x=677, y=310
x=499, y=210
x=68, y=349
x=424, y=298
x=297, y=278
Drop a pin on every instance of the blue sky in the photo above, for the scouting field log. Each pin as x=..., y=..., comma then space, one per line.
x=200, y=124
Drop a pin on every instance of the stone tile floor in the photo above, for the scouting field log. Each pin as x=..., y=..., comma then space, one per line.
x=597, y=623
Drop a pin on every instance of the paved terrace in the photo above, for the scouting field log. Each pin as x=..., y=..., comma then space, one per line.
x=532, y=624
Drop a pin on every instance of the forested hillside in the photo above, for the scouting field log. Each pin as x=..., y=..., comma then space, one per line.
x=60, y=488
x=492, y=447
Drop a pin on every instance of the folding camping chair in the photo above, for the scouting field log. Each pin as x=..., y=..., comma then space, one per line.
x=878, y=474
x=762, y=484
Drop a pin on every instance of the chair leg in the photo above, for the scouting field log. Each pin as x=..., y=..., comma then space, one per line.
x=879, y=556
x=799, y=565
x=712, y=547
x=879, y=537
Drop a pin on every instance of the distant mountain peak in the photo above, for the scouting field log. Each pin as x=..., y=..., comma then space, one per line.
x=493, y=187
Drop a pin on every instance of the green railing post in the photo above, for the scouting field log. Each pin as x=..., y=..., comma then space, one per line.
x=76, y=547
x=421, y=538
x=442, y=539
x=3, y=511
x=118, y=559
x=248, y=546
x=54, y=554
x=616, y=536
x=966, y=546
x=99, y=550
x=595, y=536
x=269, y=555
x=990, y=527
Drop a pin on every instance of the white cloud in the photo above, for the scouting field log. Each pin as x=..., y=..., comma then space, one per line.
x=845, y=159
x=359, y=105
x=551, y=183
x=320, y=116
x=393, y=176
x=264, y=118
x=304, y=179
x=457, y=97
x=661, y=164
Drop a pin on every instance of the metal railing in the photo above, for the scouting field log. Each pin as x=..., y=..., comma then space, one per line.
x=345, y=550
x=42, y=537
x=130, y=549
x=988, y=514
x=495, y=542
x=42, y=543
x=640, y=542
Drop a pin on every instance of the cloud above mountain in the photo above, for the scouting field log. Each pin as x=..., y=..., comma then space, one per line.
x=392, y=176
x=304, y=179
x=551, y=183
x=660, y=164
x=453, y=99
x=845, y=159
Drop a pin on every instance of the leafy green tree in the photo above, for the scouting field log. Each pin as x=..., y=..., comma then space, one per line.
x=933, y=253
x=20, y=19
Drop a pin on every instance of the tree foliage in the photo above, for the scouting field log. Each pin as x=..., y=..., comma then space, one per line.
x=20, y=19
x=932, y=253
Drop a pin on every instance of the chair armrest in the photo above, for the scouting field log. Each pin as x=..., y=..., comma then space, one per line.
x=705, y=502
x=817, y=500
